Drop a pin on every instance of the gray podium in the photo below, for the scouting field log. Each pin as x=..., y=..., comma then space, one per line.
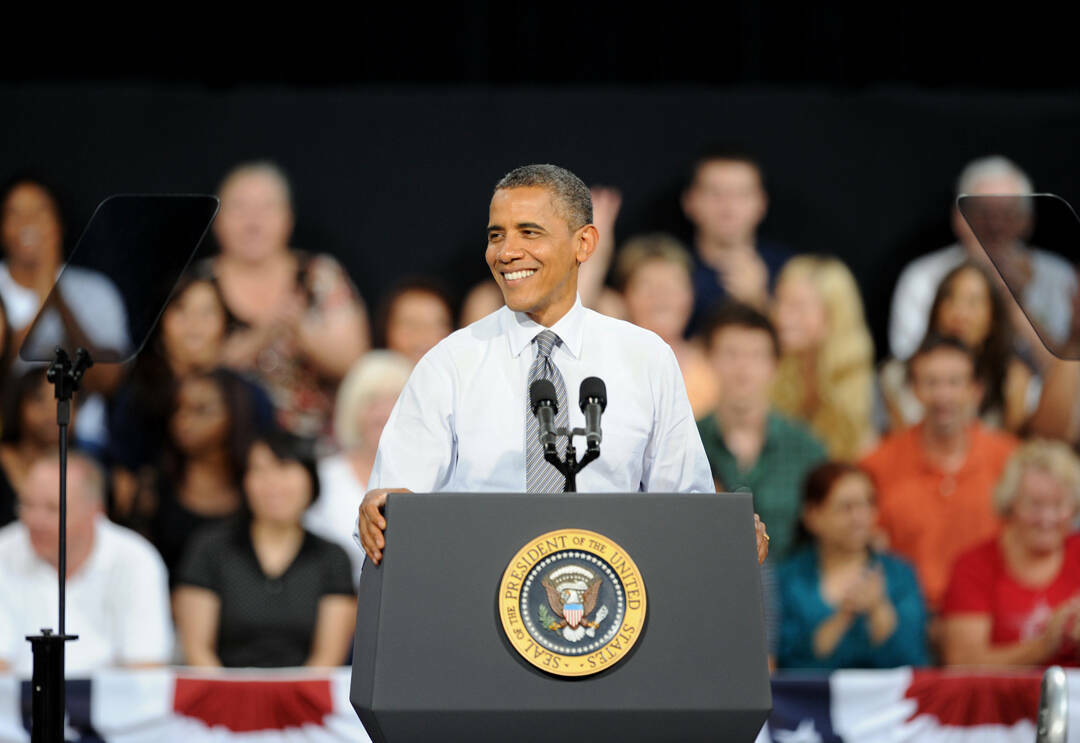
x=431, y=660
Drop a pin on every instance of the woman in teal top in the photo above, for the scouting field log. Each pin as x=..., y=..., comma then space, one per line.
x=842, y=604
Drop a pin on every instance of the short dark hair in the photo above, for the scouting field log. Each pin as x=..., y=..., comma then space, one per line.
x=738, y=315
x=286, y=447
x=936, y=342
x=569, y=191
x=722, y=153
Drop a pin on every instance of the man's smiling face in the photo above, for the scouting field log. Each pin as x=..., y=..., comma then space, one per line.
x=533, y=252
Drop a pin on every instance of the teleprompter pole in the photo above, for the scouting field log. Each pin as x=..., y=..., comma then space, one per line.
x=47, y=683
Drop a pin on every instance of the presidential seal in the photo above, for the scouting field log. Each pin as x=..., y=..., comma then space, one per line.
x=572, y=602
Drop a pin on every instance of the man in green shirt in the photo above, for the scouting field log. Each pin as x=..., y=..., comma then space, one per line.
x=749, y=445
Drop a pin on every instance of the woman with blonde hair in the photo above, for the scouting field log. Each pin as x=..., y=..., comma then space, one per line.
x=826, y=372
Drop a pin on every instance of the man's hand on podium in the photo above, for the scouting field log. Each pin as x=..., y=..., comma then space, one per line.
x=372, y=522
x=760, y=535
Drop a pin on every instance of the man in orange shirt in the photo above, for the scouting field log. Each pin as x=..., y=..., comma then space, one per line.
x=934, y=480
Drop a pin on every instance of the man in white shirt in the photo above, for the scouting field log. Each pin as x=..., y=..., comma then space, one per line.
x=117, y=587
x=1047, y=294
x=461, y=422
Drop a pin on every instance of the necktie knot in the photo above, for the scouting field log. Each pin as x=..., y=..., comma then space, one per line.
x=545, y=343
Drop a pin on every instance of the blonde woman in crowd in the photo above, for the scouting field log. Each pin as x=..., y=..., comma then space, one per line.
x=826, y=374
x=1015, y=599
x=655, y=273
x=364, y=401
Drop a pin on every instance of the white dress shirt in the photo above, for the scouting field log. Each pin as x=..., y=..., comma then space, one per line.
x=117, y=602
x=459, y=424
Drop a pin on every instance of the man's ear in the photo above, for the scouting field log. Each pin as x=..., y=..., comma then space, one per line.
x=585, y=242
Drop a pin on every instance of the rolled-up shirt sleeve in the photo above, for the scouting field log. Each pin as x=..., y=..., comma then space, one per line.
x=418, y=448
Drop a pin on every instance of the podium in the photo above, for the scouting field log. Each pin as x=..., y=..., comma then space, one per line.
x=436, y=656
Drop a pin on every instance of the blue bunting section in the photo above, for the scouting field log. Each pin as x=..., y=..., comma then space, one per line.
x=294, y=705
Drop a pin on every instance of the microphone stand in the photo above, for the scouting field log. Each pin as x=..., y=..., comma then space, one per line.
x=47, y=683
x=570, y=466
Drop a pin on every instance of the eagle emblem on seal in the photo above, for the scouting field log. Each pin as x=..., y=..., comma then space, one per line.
x=572, y=592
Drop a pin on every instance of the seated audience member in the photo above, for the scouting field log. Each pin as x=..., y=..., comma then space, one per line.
x=300, y=324
x=194, y=481
x=30, y=432
x=1048, y=289
x=843, y=605
x=261, y=591
x=188, y=340
x=480, y=301
x=413, y=316
x=117, y=592
x=725, y=201
x=751, y=446
x=970, y=307
x=1015, y=599
x=654, y=274
x=365, y=398
x=934, y=480
x=826, y=373
x=87, y=311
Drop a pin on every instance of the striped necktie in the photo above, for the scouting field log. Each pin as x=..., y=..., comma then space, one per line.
x=540, y=476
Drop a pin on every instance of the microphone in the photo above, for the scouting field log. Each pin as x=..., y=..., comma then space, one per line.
x=542, y=397
x=592, y=399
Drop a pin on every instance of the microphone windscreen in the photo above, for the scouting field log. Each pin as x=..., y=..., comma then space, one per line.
x=541, y=391
x=592, y=387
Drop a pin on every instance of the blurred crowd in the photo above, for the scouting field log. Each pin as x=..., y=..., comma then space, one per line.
x=922, y=509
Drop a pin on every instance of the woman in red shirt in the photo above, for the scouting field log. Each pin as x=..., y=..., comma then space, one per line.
x=1015, y=600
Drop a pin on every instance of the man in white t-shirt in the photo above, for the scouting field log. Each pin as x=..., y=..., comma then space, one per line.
x=117, y=586
x=1047, y=294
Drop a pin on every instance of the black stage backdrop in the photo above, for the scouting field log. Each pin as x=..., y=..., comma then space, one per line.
x=395, y=181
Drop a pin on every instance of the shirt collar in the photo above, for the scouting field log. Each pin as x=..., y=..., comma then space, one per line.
x=520, y=330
